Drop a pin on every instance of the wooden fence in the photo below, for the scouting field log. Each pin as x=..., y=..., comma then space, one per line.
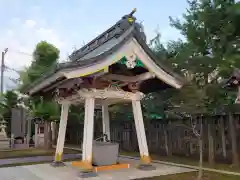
x=180, y=140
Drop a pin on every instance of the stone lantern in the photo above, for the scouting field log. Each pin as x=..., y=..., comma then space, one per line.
x=4, y=142
x=2, y=129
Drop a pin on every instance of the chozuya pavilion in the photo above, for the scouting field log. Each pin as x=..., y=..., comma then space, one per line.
x=115, y=67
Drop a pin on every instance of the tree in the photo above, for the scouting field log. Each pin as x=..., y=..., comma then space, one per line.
x=212, y=34
x=211, y=28
x=48, y=111
x=45, y=58
x=9, y=101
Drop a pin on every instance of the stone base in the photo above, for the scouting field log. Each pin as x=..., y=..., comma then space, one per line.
x=4, y=143
x=87, y=174
x=57, y=164
x=146, y=167
x=20, y=146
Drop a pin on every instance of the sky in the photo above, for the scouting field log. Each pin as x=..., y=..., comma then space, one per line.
x=68, y=24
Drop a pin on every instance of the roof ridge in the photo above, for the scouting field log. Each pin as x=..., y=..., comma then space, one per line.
x=116, y=30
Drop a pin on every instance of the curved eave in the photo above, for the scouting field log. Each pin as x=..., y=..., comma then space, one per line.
x=130, y=43
x=131, y=47
x=161, y=72
x=62, y=68
x=76, y=70
x=159, y=67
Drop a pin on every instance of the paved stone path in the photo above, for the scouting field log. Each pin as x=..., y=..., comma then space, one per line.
x=47, y=172
x=174, y=164
x=36, y=159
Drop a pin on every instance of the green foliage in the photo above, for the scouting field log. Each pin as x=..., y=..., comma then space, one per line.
x=45, y=58
x=211, y=30
x=9, y=101
x=121, y=112
x=212, y=41
x=47, y=110
x=76, y=114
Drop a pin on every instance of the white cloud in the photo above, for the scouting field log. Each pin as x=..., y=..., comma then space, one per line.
x=35, y=9
x=20, y=37
x=51, y=36
x=30, y=23
x=14, y=21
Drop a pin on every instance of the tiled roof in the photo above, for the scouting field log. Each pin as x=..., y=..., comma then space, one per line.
x=127, y=23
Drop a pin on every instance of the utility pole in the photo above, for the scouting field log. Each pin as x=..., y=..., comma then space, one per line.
x=2, y=68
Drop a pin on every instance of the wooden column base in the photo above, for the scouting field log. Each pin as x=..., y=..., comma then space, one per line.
x=146, y=164
x=145, y=159
x=58, y=156
x=83, y=165
x=57, y=164
x=146, y=167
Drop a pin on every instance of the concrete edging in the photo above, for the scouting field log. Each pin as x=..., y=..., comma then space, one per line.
x=187, y=166
x=175, y=164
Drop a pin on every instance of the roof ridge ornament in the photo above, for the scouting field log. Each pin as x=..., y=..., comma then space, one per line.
x=131, y=60
x=130, y=16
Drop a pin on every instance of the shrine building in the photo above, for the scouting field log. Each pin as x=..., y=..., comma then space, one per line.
x=116, y=67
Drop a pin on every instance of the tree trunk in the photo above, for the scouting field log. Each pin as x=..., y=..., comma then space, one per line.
x=210, y=143
x=200, y=141
x=54, y=129
x=47, y=135
x=56, y=133
x=222, y=128
x=190, y=147
x=235, y=158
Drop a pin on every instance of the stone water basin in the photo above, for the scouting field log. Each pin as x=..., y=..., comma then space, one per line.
x=105, y=153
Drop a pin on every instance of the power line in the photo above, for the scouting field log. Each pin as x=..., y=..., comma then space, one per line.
x=20, y=52
x=2, y=67
x=31, y=55
x=12, y=69
x=15, y=81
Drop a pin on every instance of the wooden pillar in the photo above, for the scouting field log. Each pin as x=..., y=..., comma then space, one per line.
x=36, y=135
x=232, y=129
x=140, y=130
x=211, y=154
x=29, y=130
x=61, y=135
x=88, y=133
x=105, y=121
x=223, y=137
x=53, y=127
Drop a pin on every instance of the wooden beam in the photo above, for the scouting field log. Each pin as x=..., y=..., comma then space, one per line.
x=67, y=83
x=71, y=99
x=55, y=85
x=99, y=102
x=103, y=94
x=110, y=94
x=130, y=79
x=161, y=74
